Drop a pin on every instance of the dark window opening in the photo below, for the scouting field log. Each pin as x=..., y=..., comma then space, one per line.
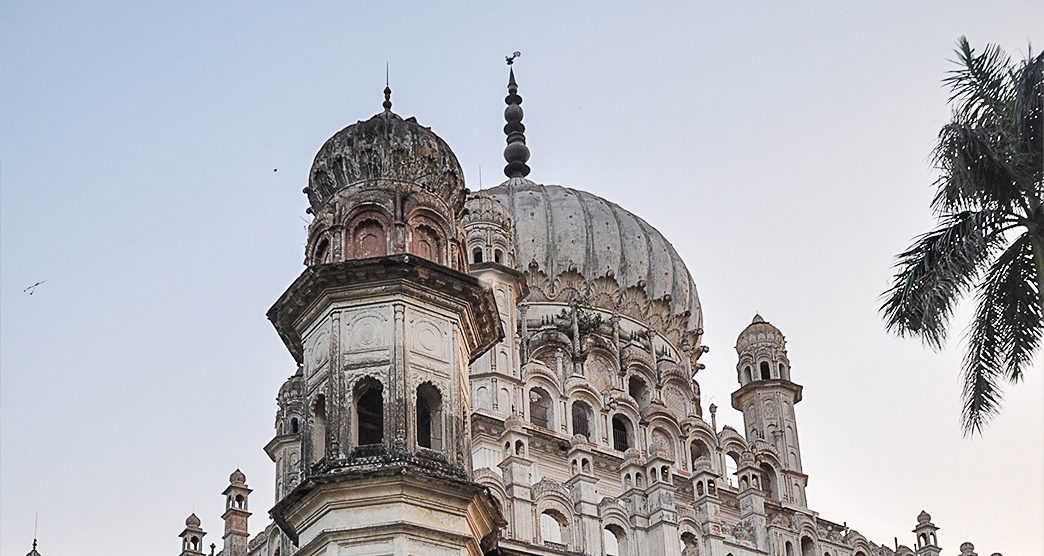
x=765, y=373
x=621, y=433
x=476, y=255
x=582, y=419
x=429, y=417
x=370, y=412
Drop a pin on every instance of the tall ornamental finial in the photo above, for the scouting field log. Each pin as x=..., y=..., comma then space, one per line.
x=516, y=153
x=387, y=90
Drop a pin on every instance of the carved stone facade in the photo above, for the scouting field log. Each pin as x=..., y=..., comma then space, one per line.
x=512, y=372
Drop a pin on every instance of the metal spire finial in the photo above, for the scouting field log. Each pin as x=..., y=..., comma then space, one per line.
x=387, y=90
x=516, y=153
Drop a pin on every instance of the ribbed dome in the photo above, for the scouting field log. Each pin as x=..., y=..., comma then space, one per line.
x=562, y=229
x=386, y=147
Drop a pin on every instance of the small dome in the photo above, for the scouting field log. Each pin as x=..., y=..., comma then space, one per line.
x=924, y=517
x=386, y=147
x=484, y=209
x=192, y=521
x=237, y=478
x=759, y=331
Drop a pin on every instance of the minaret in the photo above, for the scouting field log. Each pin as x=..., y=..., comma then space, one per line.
x=191, y=537
x=927, y=542
x=384, y=323
x=236, y=515
x=766, y=397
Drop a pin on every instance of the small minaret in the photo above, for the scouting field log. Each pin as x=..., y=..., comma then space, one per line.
x=236, y=515
x=927, y=542
x=767, y=397
x=191, y=538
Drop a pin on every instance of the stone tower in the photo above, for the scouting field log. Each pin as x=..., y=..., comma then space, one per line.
x=766, y=397
x=384, y=323
x=191, y=537
x=236, y=515
x=927, y=542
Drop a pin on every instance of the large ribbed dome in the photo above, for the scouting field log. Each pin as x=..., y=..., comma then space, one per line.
x=386, y=147
x=562, y=229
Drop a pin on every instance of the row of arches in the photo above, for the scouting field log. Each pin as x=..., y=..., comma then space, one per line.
x=541, y=414
x=367, y=235
x=764, y=371
x=368, y=417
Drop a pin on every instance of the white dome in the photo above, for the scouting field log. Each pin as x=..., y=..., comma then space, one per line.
x=561, y=229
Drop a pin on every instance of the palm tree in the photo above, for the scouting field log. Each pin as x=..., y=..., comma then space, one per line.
x=990, y=235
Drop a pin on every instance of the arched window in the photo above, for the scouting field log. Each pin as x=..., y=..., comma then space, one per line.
x=621, y=433
x=498, y=256
x=476, y=255
x=782, y=372
x=551, y=527
x=240, y=502
x=697, y=450
x=426, y=243
x=689, y=544
x=614, y=541
x=638, y=390
x=321, y=255
x=765, y=373
x=369, y=409
x=295, y=427
x=768, y=482
x=731, y=465
x=699, y=488
x=790, y=549
x=194, y=541
x=369, y=239
x=808, y=547
x=429, y=417
x=581, y=419
x=540, y=408
x=319, y=428
x=746, y=375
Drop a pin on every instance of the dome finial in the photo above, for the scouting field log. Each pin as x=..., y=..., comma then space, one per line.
x=516, y=153
x=387, y=90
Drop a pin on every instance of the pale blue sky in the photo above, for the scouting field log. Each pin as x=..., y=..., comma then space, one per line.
x=781, y=147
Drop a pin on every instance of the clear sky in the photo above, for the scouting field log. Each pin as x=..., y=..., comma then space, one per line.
x=782, y=147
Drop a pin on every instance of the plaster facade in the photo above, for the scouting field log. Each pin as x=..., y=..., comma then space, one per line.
x=512, y=372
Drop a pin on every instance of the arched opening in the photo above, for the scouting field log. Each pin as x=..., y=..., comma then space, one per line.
x=614, y=541
x=743, y=483
x=429, y=417
x=552, y=525
x=295, y=427
x=697, y=449
x=621, y=433
x=783, y=372
x=768, y=481
x=808, y=547
x=476, y=255
x=934, y=542
x=581, y=414
x=426, y=243
x=240, y=502
x=498, y=256
x=638, y=480
x=540, y=408
x=585, y=465
x=319, y=428
x=699, y=488
x=638, y=390
x=731, y=465
x=765, y=373
x=369, y=239
x=321, y=255
x=747, y=377
x=194, y=542
x=520, y=448
x=369, y=410
x=689, y=544
x=789, y=549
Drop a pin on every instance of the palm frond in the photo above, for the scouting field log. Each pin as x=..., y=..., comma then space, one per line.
x=1005, y=334
x=1029, y=115
x=936, y=271
x=981, y=86
x=977, y=169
